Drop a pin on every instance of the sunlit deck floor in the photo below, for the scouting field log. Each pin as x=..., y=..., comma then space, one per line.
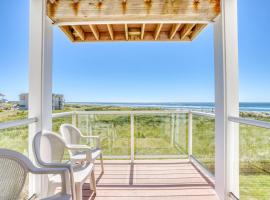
x=150, y=180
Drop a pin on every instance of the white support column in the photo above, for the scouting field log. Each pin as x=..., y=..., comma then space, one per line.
x=226, y=100
x=40, y=80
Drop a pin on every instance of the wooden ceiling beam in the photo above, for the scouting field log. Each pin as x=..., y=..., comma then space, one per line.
x=142, y=31
x=175, y=28
x=185, y=31
x=79, y=32
x=68, y=32
x=142, y=11
x=157, y=31
x=94, y=31
x=110, y=29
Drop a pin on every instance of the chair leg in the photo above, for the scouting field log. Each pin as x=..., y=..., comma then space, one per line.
x=78, y=188
x=101, y=163
x=93, y=182
x=51, y=189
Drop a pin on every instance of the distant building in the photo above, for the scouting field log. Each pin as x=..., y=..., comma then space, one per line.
x=23, y=101
x=58, y=101
x=2, y=98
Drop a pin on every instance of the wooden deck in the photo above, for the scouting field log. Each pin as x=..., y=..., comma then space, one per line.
x=150, y=180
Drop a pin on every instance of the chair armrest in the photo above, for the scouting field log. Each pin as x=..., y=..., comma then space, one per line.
x=64, y=172
x=96, y=137
x=68, y=167
x=79, y=147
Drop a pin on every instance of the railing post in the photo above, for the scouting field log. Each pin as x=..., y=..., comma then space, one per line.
x=90, y=125
x=190, y=134
x=177, y=129
x=74, y=119
x=132, y=137
x=172, y=129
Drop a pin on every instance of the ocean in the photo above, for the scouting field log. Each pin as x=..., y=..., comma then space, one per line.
x=244, y=106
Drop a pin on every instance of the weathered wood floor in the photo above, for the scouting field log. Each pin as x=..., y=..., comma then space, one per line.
x=150, y=180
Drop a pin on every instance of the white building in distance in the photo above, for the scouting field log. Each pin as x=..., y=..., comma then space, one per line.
x=58, y=101
x=2, y=98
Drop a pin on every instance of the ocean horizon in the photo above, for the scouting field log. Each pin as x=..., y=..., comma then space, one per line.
x=244, y=106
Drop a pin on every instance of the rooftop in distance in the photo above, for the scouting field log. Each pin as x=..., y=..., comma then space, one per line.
x=132, y=20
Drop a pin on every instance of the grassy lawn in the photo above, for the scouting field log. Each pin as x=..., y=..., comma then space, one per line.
x=163, y=135
x=255, y=186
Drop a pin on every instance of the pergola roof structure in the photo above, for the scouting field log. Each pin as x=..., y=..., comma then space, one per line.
x=132, y=20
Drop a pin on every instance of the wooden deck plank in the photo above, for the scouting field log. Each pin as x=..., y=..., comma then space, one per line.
x=150, y=180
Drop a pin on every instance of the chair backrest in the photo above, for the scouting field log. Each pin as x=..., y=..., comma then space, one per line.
x=14, y=168
x=48, y=147
x=70, y=133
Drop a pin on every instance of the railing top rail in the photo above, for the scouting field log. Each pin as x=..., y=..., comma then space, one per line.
x=134, y=112
x=12, y=124
x=63, y=114
x=137, y=112
x=252, y=122
x=205, y=114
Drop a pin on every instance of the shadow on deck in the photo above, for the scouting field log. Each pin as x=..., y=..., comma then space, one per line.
x=150, y=180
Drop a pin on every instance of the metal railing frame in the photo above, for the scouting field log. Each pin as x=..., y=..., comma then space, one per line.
x=17, y=123
x=132, y=114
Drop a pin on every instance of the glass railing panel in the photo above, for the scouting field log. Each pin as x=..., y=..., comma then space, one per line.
x=180, y=131
x=114, y=131
x=203, y=141
x=160, y=135
x=56, y=122
x=254, y=163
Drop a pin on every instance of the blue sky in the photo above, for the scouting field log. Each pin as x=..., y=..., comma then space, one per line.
x=138, y=72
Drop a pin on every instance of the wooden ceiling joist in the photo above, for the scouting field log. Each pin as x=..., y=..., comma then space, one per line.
x=174, y=30
x=68, y=32
x=142, y=31
x=186, y=30
x=126, y=31
x=198, y=28
x=157, y=31
x=94, y=31
x=110, y=29
x=132, y=32
x=79, y=31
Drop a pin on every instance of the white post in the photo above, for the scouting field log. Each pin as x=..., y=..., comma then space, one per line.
x=172, y=130
x=40, y=80
x=226, y=101
x=189, y=134
x=177, y=129
x=74, y=119
x=131, y=138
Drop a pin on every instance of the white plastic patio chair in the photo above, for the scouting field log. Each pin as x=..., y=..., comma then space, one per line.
x=73, y=137
x=54, y=147
x=14, y=168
